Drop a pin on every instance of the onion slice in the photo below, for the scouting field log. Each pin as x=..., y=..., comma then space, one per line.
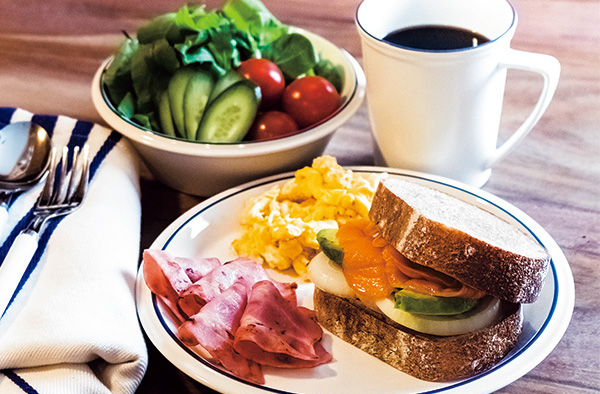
x=483, y=315
x=328, y=276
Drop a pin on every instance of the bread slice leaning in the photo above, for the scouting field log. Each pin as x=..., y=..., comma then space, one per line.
x=426, y=357
x=449, y=235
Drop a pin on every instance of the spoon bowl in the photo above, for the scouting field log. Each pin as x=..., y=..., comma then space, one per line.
x=25, y=152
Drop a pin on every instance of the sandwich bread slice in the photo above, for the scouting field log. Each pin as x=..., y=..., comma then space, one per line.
x=430, y=284
x=439, y=231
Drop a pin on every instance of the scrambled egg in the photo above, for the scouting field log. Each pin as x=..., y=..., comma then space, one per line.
x=281, y=225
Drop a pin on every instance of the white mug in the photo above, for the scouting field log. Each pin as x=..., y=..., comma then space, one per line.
x=438, y=111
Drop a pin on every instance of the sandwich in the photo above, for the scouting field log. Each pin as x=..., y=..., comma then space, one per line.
x=428, y=283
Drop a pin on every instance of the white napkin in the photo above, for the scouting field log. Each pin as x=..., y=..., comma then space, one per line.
x=72, y=327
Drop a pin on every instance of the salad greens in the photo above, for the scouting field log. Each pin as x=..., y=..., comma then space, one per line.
x=215, y=40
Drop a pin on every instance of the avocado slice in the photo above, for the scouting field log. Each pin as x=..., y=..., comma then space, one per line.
x=327, y=239
x=423, y=304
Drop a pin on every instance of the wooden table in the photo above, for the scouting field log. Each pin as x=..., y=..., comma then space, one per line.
x=50, y=49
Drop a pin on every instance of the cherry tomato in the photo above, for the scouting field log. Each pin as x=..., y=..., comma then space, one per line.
x=272, y=124
x=310, y=99
x=267, y=76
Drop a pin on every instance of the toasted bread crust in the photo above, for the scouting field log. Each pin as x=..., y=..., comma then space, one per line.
x=423, y=356
x=461, y=240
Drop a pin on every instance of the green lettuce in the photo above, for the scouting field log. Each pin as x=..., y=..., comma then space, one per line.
x=219, y=40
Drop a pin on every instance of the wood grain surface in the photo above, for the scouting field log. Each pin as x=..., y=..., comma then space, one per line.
x=50, y=49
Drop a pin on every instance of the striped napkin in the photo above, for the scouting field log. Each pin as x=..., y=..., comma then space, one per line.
x=71, y=326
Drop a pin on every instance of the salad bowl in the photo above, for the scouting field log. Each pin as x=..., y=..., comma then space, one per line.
x=203, y=169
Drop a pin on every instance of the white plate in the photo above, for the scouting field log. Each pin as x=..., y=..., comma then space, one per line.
x=208, y=229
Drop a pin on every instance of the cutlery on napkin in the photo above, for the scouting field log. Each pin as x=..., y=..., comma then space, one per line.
x=71, y=326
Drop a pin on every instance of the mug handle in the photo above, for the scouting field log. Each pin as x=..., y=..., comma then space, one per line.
x=549, y=68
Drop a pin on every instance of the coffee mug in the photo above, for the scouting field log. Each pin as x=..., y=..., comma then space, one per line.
x=435, y=101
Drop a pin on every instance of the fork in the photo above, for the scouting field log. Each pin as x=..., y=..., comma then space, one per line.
x=64, y=191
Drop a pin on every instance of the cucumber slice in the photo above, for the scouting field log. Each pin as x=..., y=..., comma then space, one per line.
x=431, y=305
x=330, y=245
x=195, y=100
x=230, y=116
x=328, y=276
x=176, y=89
x=164, y=114
x=225, y=81
x=484, y=314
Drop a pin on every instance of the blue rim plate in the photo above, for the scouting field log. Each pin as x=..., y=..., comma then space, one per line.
x=208, y=229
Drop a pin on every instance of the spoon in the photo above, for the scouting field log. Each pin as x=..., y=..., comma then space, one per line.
x=24, y=159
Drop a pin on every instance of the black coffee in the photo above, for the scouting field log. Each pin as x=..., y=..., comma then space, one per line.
x=437, y=38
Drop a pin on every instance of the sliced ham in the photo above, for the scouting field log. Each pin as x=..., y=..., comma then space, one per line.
x=277, y=333
x=195, y=269
x=240, y=270
x=236, y=313
x=213, y=328
x=163, y=275
x=168, y=277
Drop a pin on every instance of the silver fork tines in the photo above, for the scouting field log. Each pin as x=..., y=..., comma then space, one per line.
x=65, y=188
x=64, y=191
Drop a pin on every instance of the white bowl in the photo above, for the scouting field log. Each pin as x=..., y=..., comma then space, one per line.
x=205, y=169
